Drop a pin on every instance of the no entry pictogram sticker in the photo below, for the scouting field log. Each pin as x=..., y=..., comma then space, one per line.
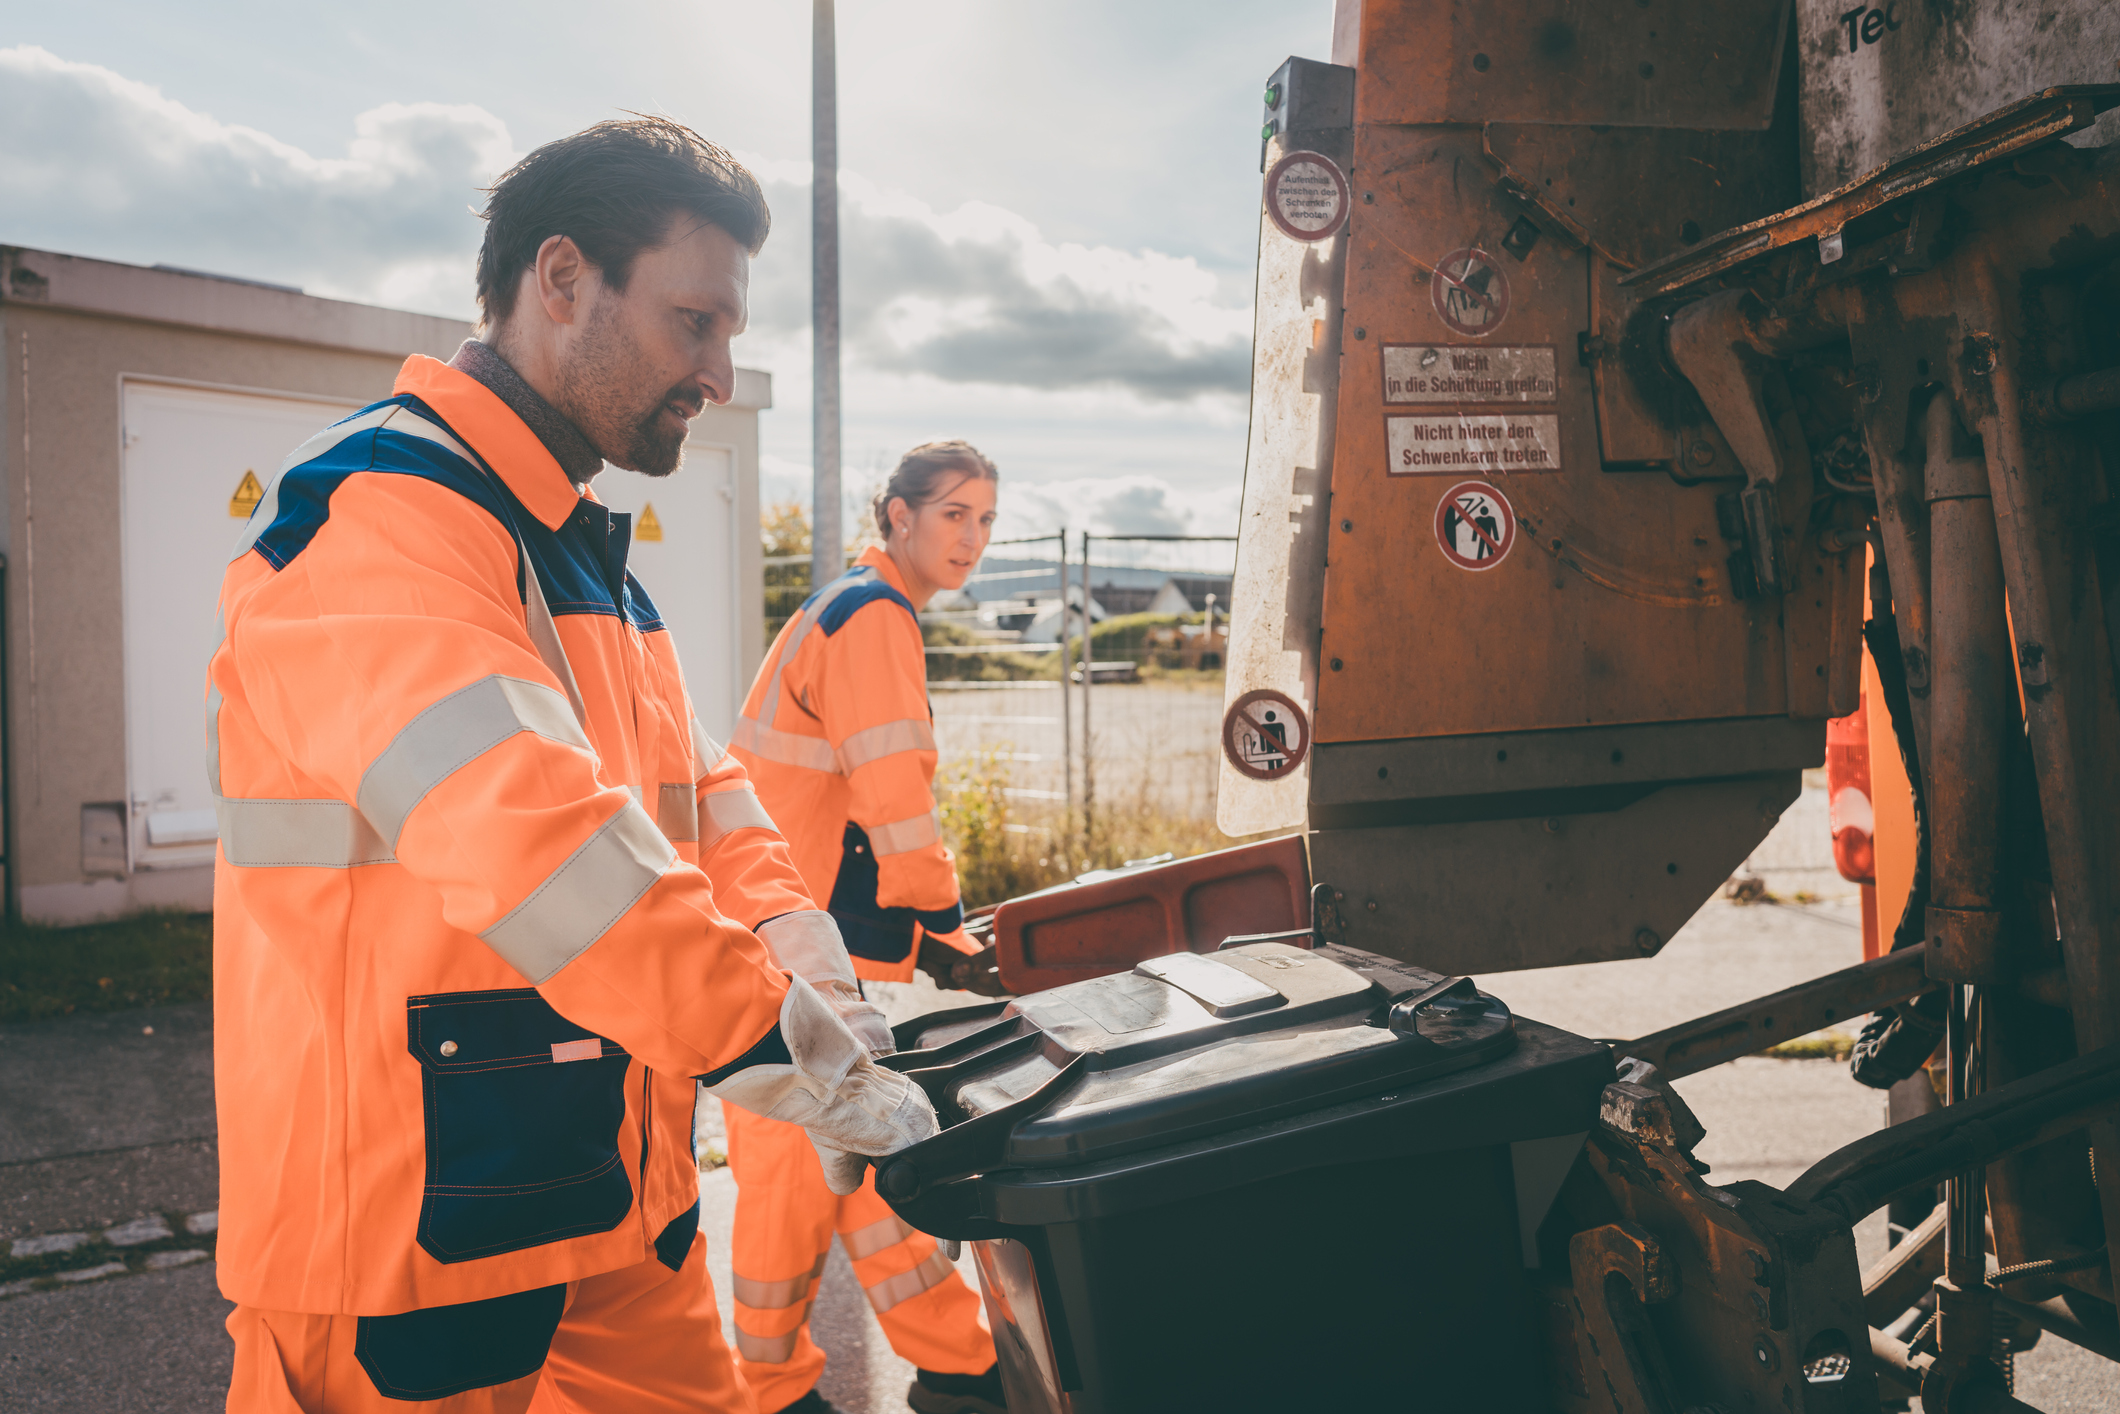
x=1471, y=291
x=1475, y=525
x=1307, y=197
x=1265, y=735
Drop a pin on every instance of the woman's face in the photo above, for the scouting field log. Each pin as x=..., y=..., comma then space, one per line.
x=943, y=540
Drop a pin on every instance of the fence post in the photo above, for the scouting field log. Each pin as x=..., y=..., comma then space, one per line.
x=1089, y=671
x=1067, y=713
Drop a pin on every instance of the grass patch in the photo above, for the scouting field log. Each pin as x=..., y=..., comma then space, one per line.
x=147, y=960
x=1004, y=851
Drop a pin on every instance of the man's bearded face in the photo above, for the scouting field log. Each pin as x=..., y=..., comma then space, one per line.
x=647, y=359
x=603, y=387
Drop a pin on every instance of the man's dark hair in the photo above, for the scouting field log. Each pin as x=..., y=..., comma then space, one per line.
x=613, y=188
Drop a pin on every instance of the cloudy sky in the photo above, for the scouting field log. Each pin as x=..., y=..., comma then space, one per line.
x=1048, y=211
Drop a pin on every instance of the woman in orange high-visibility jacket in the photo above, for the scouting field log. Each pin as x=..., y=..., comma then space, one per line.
x=839, y=742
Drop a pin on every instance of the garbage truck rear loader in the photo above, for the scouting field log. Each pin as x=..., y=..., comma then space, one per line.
x=1609, y=358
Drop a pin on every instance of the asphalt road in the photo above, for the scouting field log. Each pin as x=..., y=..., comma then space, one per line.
x=104, y=1118
x=1150, y=741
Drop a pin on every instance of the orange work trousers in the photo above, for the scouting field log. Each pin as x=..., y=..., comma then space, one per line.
x=785, y=1218
x=643, y=1339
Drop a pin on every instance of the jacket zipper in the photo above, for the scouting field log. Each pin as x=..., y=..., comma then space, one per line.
x=647, y=1140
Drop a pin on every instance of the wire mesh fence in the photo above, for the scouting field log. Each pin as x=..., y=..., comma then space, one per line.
x=1127, y=714
x=1056, y=721
x=1018, y=722
x=1151, y=681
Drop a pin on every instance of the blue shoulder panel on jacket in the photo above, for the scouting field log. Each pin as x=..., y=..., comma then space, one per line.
x=305, y=491
x=837, y=612
x=576, y=565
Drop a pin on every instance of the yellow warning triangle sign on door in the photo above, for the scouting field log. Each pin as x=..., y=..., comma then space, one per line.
x=649, y=528
x=248, y=494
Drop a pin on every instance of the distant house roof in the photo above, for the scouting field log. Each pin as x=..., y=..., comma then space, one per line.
x=1170, y=599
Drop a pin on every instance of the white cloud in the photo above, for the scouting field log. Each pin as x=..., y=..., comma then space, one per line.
x=98, y=164
x=1055, y=356
x=1119, y=505
x=979, y=295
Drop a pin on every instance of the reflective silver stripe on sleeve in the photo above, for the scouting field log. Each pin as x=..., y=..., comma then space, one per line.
x=903, y=836
x=726, y=811
x=454, y=732
x=706, y=751
x=768, y=744
x=286, y=834
x=677, y=810
x=579, y=901
x=297, y=834
x=887, y=739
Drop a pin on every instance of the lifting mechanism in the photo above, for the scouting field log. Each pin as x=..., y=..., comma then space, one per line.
x=1571, y=428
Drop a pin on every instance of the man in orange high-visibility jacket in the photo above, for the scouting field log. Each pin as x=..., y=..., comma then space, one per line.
x=837, y=736
x=488, y=901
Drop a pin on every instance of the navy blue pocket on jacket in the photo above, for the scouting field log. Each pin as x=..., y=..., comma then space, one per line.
x=438, y=1351
x=523, y=1112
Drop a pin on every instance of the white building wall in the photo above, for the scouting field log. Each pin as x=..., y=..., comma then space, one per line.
x=134, y=401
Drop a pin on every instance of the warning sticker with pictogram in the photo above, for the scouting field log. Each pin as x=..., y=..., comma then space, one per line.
x=1475, y=526
x=1471, y=291
x=1265, y=735
x=649, y=526
x=1306, y=196
x=248, y=494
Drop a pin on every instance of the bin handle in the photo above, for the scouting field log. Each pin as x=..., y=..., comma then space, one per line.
x=1289, y=935
x=969, y=1148
x=1401, y=1020
x=909, y=1060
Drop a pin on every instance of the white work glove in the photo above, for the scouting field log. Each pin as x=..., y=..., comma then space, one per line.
x=853, y=1107
x=808, y=945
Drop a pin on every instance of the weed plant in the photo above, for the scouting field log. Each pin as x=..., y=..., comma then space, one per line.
x=1004, y=850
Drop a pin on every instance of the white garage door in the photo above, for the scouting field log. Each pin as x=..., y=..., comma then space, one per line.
x=187, y=453
x=692, y=571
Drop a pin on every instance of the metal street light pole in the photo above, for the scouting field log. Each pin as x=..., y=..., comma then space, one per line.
x=827, y=538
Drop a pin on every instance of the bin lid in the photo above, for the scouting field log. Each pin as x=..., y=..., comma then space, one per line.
x=1193, y=1044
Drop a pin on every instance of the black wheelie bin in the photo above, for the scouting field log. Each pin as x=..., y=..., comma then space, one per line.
x=1269, y=1178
